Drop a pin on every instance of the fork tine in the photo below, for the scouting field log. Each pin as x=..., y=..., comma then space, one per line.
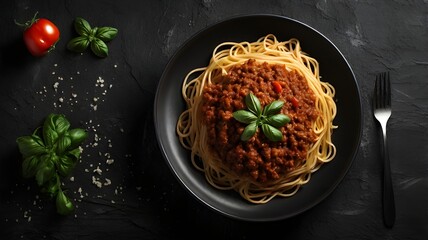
x=377, y=93
x=388, y=90
x=382, y=91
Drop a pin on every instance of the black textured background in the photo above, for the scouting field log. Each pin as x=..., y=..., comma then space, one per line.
x=144, y=200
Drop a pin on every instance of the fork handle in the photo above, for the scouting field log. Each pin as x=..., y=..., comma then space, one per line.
x=388, y=191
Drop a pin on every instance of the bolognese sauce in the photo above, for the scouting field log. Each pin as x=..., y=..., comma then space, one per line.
x=259, y=158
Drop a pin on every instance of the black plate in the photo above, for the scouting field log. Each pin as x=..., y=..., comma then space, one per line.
x=196, y=53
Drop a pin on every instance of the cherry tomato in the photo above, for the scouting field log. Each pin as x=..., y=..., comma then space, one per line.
x=277, y=86
x=40, y=36
x=295, y=102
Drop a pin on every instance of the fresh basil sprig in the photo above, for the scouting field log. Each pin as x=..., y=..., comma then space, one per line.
x=95, y=37
x=50, y=153
x=269, y=118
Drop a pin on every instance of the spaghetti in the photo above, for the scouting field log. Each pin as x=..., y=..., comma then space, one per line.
x=225, y=67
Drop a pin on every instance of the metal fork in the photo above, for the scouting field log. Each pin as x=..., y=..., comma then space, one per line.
x=382, y=112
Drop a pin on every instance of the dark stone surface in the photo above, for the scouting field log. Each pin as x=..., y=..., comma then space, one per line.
x=144, y=200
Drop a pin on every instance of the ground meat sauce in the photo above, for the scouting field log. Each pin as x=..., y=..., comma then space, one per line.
x=259, y=158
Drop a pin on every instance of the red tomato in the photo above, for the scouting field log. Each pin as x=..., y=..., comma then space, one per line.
x=41, y=36
x=295, y=102
x=277, y=86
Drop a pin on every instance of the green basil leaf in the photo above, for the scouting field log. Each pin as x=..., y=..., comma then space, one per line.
x=50, y=137
x=49, y=120
x=106, y=33
x=273, y=108
x=77, y=136
x=46, y=170
x=74, y=154
x=99, y=47
x=51, y=187
x=249, y=131
x=30, y=145
x=38, y=135
x=30, y=166
x=78, y=44
x=271, y=133
x=253, y=104
x=244, y=116
x=61, y=124
x=63, y=204
x=65, y=166
x=63, y=143
x=54, y=125
x=82, y=26
x=49, y=134
x=278, y=120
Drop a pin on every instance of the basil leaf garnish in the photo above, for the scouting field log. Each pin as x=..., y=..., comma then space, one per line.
x=49, y=134
x=30, y=145
x=95, y=37
x=244, y=116
x=99, y=47
x=78, y=44
x=61, y=124
x=74, y=154
x=46, y=170
x=271, y=132
x=273, y=108
x=255, y=117
x=77, y=136
x=63, y=204
x=82, y=26
x=51, y=187
x=30, y=166
x=106, y=33
x=65, y=165
x=253, y=104
x=249, y=131
x=278, y=120
x=64, y=142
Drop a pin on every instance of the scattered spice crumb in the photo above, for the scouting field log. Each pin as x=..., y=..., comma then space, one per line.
x=98, y=170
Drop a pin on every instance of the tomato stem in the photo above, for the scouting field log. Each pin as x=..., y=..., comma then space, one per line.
x=53, y=46
x=27, y=24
